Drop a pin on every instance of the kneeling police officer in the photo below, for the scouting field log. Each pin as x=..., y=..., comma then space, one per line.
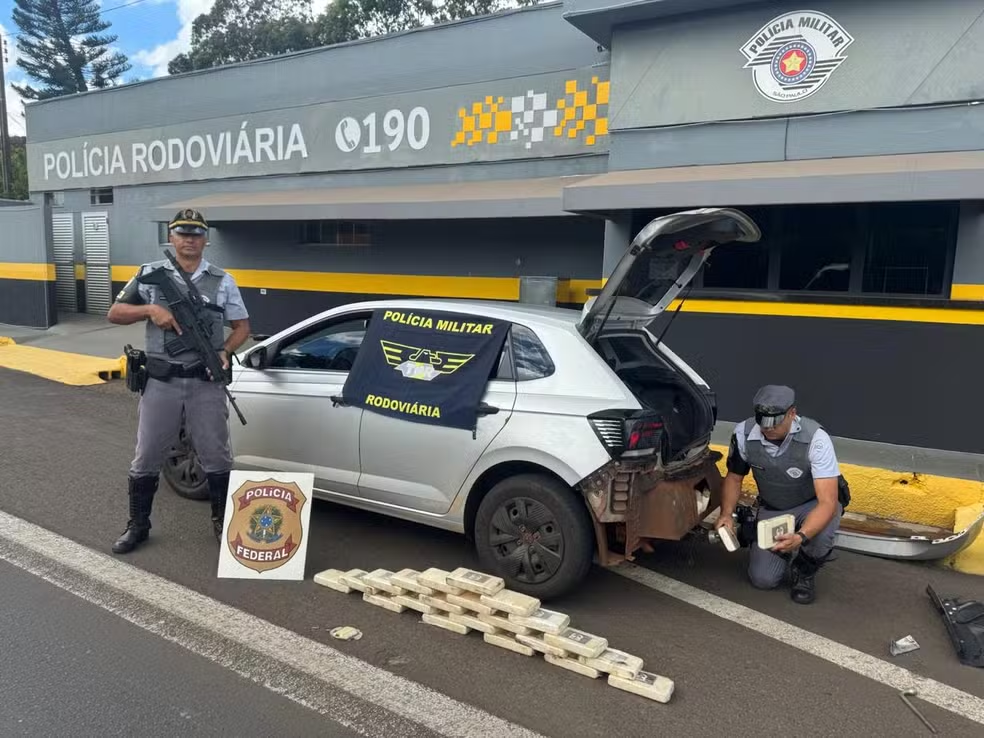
x=794, y=465
x=177, y=383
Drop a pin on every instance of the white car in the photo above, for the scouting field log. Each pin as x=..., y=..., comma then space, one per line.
x=593, y=436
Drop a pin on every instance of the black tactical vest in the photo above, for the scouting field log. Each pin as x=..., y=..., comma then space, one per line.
x=786, y=480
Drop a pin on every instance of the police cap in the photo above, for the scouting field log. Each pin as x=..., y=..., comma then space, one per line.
x=190, y=222
x=774, y=399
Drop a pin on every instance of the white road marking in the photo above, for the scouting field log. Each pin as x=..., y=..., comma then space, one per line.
x=936, y=693
x=142, y=598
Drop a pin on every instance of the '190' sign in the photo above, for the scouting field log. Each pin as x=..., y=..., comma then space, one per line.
x=414, y=129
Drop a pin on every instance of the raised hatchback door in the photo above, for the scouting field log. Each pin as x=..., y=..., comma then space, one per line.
x=661, y=261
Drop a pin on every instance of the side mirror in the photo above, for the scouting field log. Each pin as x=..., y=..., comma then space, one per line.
x=257, y=358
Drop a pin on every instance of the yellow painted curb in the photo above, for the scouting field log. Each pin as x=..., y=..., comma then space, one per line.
x=925, y=499
x=60, y=366
x=6, y=341
x=971, y=559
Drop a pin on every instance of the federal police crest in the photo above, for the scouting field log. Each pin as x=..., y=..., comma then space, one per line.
x=794, y=54
x=266, y=529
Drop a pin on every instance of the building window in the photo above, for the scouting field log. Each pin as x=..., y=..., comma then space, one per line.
x=101, y=196
x=817, y=247
x=335, y=233
x=873, y=248
x=57, y=199
x=908, y=248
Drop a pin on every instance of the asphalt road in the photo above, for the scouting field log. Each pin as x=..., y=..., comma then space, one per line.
x=65, y=453
x=70, y=667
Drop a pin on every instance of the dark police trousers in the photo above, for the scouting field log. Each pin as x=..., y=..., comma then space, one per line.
x=766, y=569
x=206, y=419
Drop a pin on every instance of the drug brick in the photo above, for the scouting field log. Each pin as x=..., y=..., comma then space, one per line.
x=409, y=580
x=383, y=601
x=474, y=623
x=513, y=603
x=470, y=601
x=577, y=642
x=501, y=623
x=544, y=621
x=445, y=623
x=510, y=644
x=538, y=644
x=382, y=580
x=332, y=578
x=413, y=603
x=651, y=686
x=572, y=665
x=355, y=578
x=475, y=581
x=439, y=603
x=613, y=661
x=437, y=579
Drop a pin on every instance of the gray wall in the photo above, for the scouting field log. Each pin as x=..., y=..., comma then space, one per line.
x=968, y=262
x=538, y=41
x=134, y=234
x=22, y=241
x=905, y=52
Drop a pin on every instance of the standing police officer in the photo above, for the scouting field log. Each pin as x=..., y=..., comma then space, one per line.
x=180, y=383
x=795, y=468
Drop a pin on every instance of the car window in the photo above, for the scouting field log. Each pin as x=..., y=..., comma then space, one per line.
x=530, y=357
x=329, y=348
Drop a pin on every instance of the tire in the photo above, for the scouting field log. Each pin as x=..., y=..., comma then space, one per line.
x=181, y=469
x=527, y=522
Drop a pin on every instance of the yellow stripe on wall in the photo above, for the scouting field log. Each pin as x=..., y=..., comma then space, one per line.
x=80, y=272
x=967, y=292
x=34, y=272
x=568, y=291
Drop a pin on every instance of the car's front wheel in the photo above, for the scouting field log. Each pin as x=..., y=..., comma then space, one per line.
x=535, y=533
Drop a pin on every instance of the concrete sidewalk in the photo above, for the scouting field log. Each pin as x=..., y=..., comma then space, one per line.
x=79, y=333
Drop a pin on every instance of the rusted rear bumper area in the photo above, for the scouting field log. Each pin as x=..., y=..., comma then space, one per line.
x=632, y=503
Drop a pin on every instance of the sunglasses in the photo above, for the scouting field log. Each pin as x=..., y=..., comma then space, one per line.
x=769, y=421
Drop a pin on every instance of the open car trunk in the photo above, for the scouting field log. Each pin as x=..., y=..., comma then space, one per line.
x=684, y=410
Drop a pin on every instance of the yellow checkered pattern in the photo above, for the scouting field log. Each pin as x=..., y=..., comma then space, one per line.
x=483, y=122
x=580, y=111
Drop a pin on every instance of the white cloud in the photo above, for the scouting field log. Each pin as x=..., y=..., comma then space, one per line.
x=158, y=57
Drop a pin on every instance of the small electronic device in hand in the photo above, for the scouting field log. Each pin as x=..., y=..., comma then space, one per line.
x=770, y=529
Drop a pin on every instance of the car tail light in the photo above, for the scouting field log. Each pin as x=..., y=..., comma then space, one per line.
x=644, y=437
x=628, y=433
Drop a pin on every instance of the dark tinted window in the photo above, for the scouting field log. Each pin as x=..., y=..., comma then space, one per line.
x=818, y=245
x=908, y=248
x=331, y=348
x=529, y=355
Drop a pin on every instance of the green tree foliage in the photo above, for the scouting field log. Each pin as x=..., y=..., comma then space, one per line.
x=241, y=30
x=18, y=169
x=63, y=48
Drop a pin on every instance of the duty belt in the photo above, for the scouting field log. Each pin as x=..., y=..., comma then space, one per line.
x=165, y=370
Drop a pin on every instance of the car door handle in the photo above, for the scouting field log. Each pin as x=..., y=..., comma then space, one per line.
x=338, y=400
x=487, y=409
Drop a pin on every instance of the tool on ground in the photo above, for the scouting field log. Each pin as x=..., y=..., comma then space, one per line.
x=905, y=698
x=903, y=645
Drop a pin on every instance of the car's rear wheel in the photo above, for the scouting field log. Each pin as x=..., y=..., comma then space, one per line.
x=182, y=471
x=535, y=533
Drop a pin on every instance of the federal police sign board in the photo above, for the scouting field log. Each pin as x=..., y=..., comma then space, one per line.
x=425, y=367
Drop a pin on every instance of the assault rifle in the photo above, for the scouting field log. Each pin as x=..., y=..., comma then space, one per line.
x=196, y=330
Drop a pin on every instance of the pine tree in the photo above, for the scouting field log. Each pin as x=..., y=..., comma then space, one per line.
x=63, y=47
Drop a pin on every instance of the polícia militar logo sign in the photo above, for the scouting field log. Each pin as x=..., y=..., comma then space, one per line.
x=794, y=54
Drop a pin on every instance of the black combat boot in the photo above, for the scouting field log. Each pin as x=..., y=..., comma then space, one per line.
x=804, y=569
x=141, y=492
x=218, y=488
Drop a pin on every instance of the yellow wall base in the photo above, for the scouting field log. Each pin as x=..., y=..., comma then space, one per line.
x=925, y=499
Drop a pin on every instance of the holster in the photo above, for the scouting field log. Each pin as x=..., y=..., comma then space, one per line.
x=964, y=621
x=136, y=369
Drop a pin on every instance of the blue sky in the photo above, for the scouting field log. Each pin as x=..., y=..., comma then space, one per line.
x=150, y=33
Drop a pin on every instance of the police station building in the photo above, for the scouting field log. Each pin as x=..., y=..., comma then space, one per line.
x=471, y=159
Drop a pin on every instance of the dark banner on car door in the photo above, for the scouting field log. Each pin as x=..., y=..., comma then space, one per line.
x=425, y=367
